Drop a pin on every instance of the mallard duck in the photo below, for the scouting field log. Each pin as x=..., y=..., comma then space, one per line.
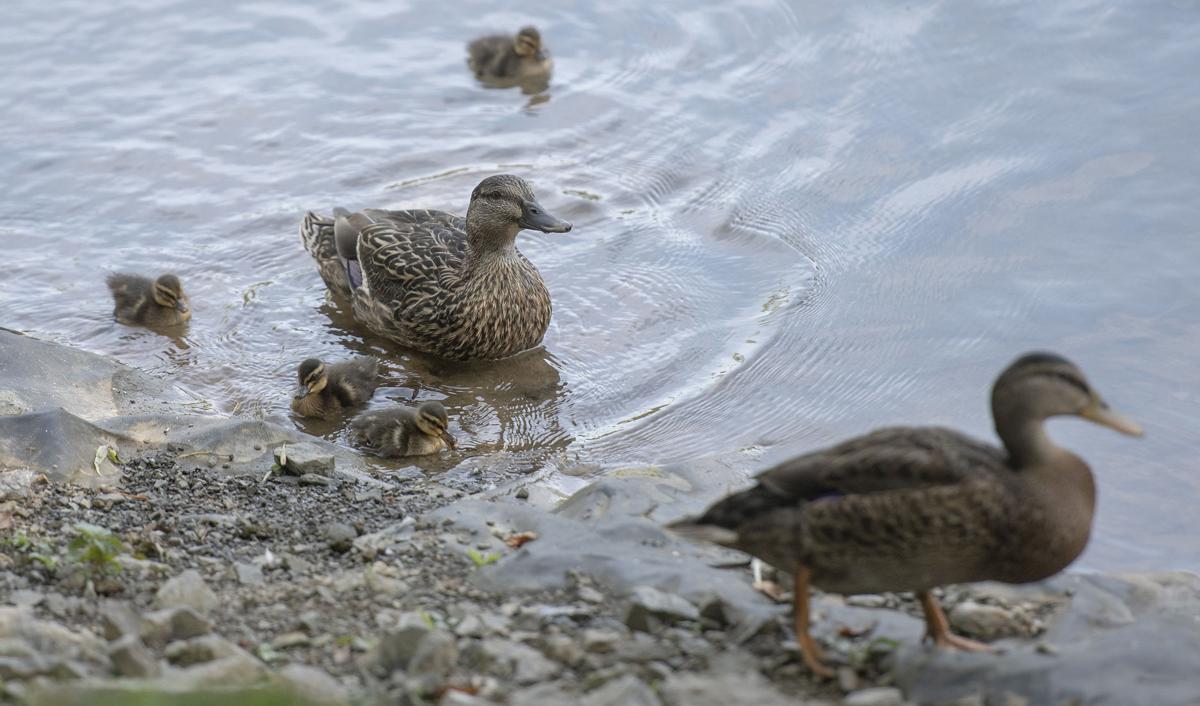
x=436, y=282
x=505, y=57
x=403, y=431
x=326, y=389
x=912, y=508
x=141, y=301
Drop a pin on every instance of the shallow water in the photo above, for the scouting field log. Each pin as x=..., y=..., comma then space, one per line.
x=793, y=221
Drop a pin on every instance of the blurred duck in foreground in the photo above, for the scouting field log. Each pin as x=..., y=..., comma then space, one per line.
x=505, y=59
x=155, y=303
x=327, y=389
x=912, y=508
x=404, y=431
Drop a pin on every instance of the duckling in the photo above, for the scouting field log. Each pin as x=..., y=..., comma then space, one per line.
x=502, y=57
x=141, y=301
x=439, y=283
x=403, y=431
x=912, y=508
x=325, y=390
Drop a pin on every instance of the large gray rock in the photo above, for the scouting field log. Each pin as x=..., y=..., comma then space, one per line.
x=314, y=686
x=305, y=457
x=649, y=608
x=169, y=624
x=130, y=658
x=623, y=691
x=1129, y=640
x=723, y=689
x=510, y=661
x=187, y=590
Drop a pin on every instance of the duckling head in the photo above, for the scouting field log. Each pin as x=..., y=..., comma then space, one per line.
x=168, y=292
x=431, y=420
x=1041, y=385
x=503, y=205
x=312, y=378
x=528, y=43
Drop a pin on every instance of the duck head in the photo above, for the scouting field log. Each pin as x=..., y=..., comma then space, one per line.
x=431, y=421
x=312, y=378
x=168, y=292
x=503, y=205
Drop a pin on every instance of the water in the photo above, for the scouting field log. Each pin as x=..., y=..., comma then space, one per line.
x=793, y=221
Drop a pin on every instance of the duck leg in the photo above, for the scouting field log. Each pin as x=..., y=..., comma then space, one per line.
x=810, y=651
x=937, y=628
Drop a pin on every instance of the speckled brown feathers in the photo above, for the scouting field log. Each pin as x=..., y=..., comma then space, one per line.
x=911, y=508
x=404, y=431
x=325, y=390
x=440, y=283
x=502, y=57
x=155, y=303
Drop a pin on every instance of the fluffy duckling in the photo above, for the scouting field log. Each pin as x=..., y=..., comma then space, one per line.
x=403, y=431
x=326, y=389
x=501, y=57
x=141, y=301
x=913, y=508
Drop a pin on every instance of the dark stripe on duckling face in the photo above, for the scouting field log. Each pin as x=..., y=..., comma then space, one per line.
x=312, y=377
x=432, y=420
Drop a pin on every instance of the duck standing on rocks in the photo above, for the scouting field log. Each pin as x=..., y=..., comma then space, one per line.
x=439, y=283
x=912, y=508
x=327, y=389
x=403, y=431
x=141, y=301
x=501, y=58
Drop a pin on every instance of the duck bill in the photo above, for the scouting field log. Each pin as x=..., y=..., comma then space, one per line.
x=182, y=306
x=534, y=217
x=1099, y=413
x=450, y=443
x=301, y=392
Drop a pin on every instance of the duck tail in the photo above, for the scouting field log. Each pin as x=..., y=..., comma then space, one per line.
x=317, y=234
x=696, y=530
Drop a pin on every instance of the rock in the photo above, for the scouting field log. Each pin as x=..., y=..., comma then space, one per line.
x=589, y=594
x=985, y=622
x=600, y=640
x=382, y=580
x=510, y=660
x=650, y=607
x=233, y=671
x=25, y=598
x=172, y=624
x=106, y=501
x=50, y=638
x=469, y=626
x=397, y=645
x=868, y=600
x=288, y=640
x=339, y=535
x=130, y=658
x=433, y=661
x=875, y=696
x=847, y=679
x=623, y=691
x=542, y=695
x=723, y=689
x=188, y=589
x=313, y=685
x=248, y=574
x=562, y=648
x=305, y=457
x=199, y=650
x=117, y=620
x=318, y=479
x=371, y=545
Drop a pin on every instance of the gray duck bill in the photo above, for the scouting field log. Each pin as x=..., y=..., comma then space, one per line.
x=534, y=217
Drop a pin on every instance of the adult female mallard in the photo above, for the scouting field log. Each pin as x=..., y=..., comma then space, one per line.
x=403, y=431
x=141, y=301
x=501, y=58
x=326, y=389
x=433, y=281
x=911, y=508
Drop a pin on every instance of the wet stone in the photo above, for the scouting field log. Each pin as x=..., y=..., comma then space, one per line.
x=305, y=457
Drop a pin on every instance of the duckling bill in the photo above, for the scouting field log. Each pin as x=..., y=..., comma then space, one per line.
x=404, y=431
x=327, y=389
x=912, y=508
x=155, y=303
x=502, y=58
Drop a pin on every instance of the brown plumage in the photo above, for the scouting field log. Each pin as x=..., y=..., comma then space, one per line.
x=141, y=301
x=911, y=508
x=403, y=431
x=504, y=57
x=436, y=282
x=327, y=389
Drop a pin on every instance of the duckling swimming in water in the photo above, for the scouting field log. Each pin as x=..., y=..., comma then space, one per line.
x=325, y=390
x=503, y=58
x=141, y=301
x=913, y=508
x=404, y=431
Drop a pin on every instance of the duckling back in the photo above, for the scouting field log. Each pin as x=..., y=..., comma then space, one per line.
x=394, y=433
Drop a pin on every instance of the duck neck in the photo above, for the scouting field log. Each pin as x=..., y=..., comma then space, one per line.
x=1026, y=440
x=487, y=239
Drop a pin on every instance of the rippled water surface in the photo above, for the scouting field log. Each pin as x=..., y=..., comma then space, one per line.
x=793, y=221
